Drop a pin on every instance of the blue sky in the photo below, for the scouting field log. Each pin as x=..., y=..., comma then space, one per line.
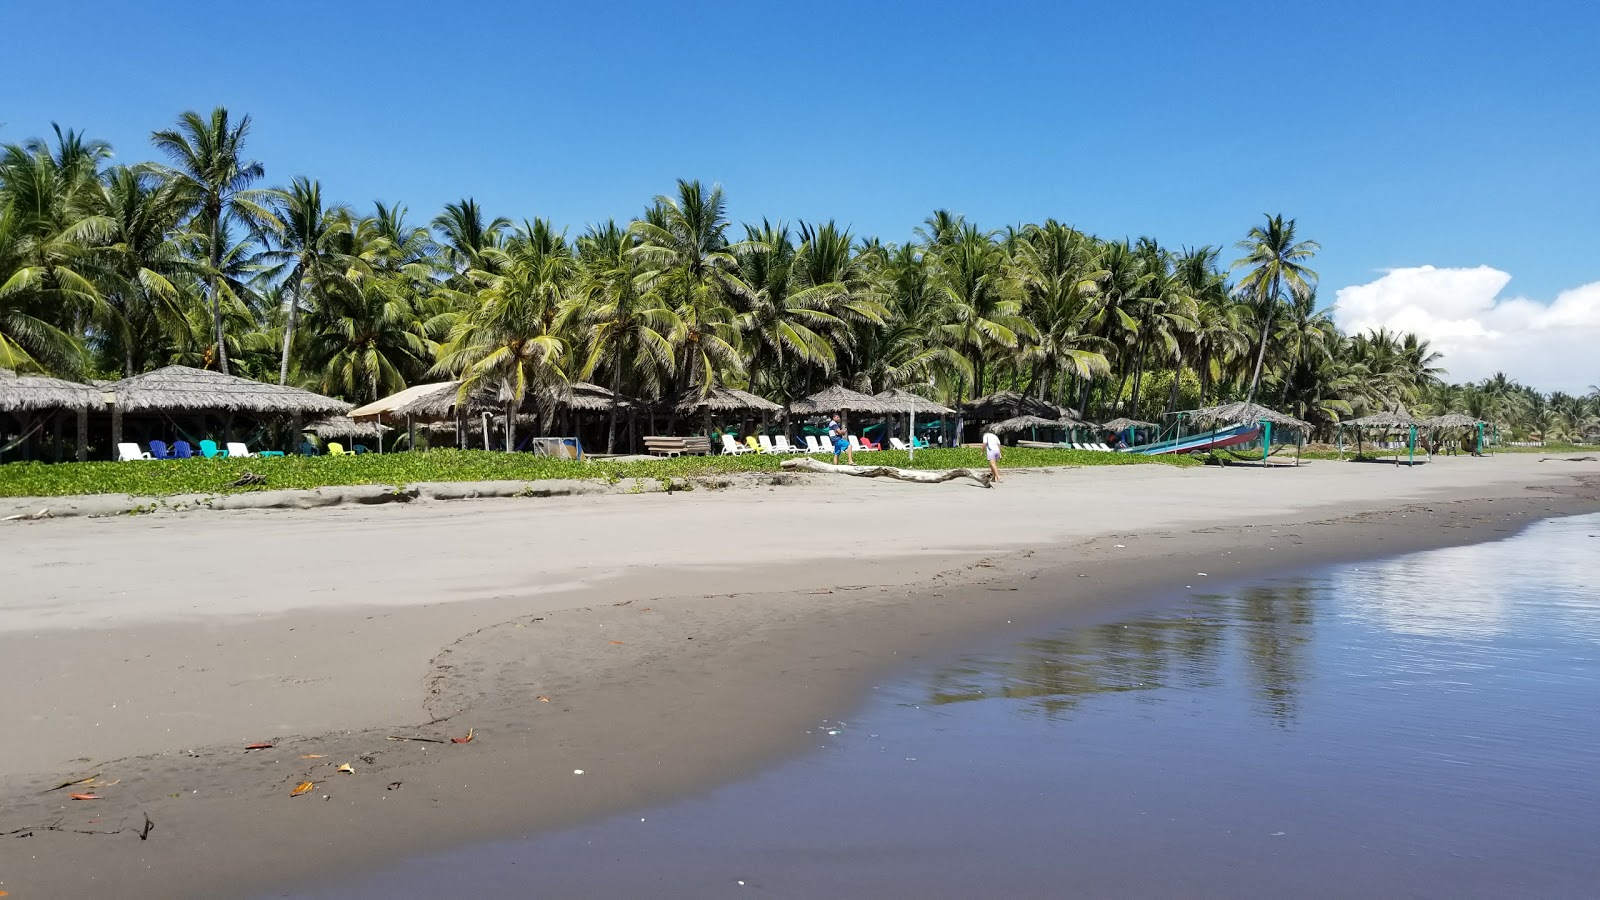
x=1452, y=134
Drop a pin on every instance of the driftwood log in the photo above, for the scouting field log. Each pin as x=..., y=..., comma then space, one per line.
x=914, y=476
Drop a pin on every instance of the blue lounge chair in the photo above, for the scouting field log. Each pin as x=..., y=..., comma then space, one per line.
x=209, y=450
x=308, y=449
x=158, y=450
x=359, y=449
x=182, y=450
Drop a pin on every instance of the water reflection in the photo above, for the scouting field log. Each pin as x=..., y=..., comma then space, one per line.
x=1268, y=629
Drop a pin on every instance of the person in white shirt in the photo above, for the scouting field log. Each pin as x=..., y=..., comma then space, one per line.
x=991, y=449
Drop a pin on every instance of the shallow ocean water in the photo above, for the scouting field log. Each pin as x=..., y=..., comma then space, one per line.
x=1422, y=726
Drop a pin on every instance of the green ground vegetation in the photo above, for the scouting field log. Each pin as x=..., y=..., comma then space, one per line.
x=165, y=478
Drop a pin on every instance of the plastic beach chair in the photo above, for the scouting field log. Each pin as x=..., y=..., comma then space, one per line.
x=896, y=444
x=733, y=447
x=815, y=446
x=236, y=449
x=750, y=441
x=335, y=448
x=767, y=446
x=158, y=450
x=209, y=450
x=781, y=443
x=308, y=449
x=131, y=453
x=182, y=450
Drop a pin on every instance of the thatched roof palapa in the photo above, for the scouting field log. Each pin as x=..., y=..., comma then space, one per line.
x=904, y=399
x=841, y=399
x=1010, y=404
x=344, y=426
x=1384, y=419
x=1245, y=413
x=723, y=399
x=1125, y=424
x=182, y=389
x=1027, y=423
x=30, y=393
x=439, y=402
x=1452, y=420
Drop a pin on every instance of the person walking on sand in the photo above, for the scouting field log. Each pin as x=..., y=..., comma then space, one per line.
x=840, y=441
x=991, y=449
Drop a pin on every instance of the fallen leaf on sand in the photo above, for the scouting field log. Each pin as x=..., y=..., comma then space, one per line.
x=67, y=784
x=83, y=796
x=312, y=755
x=347, y=769
x=261, y=745
x=304, y=786
x=463, y=740
x=95, y=782
x=616, y=642
x=543, y=699
x=401, y=737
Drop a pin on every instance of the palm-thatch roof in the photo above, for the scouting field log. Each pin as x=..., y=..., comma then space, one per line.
x=182, y=389
x=28, y=393
x=1027, y=423
x=344, y=426
x=440, y=401
x=722, y=399
x=1244, y=413
x=841, y=399
x=386, y=407
x=1125, y=424
x=1010, y=404
x=1385, y=419
x=903, y=400
x=1452, y=420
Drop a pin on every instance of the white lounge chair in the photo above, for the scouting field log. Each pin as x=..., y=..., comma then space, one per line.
x=782, y=445
x=897, y=444
x=731, y=446
x=815, y=446
x=236, y=449
x=855, y=444
x=767, y=446
x=131, y=453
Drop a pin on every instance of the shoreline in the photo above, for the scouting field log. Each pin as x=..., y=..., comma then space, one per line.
x=652, y=717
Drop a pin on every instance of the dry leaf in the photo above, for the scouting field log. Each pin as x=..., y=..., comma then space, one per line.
x=83, y=796
x=616, y=642
x=463, y=740
x=312, y=755
x=304, y=786
x=347, y=769
x=260, y=746
x=67, y=784
x=543, y=699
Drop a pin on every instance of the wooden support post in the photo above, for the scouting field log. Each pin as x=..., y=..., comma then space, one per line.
x=55, y=435
x=83, y=434
x=116, y=428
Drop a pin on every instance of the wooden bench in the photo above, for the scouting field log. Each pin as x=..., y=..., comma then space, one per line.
x=677, y=446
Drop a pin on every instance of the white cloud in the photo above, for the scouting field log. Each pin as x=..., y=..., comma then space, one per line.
x=1554, y=346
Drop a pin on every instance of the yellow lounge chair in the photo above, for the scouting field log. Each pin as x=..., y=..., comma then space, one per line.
x=335, y=448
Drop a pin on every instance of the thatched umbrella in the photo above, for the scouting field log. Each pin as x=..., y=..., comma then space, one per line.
x=181, y=389
x=344, y=426
x=1029, y=423
x=722, y=400
x=1245, y=413
x=23, y=395
x=1124, y=424
x=1386, y=420
x=841, y=399
x=388, y=407
x=903, y=399
x=1454, y=421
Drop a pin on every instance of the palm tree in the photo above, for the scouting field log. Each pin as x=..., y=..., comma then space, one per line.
x=518, y=339
x=684, y=249
x=143, y=273
x=631, y=331
x=1273, y=259
x=307, y=251
x=213, y=177
x=983, y=312
x=466, y=237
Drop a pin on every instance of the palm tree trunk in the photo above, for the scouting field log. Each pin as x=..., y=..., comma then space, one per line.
x=616, y=386
x=1177, y=379
x=288, y=330
x=1266, y=329
x=511, y=425
x=216, y=295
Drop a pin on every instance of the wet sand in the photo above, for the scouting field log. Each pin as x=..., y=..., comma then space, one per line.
x=681, y=640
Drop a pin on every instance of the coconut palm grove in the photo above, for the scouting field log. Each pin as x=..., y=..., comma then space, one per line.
x=206, y=257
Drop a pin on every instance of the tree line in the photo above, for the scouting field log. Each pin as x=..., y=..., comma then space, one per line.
x=108, y=270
